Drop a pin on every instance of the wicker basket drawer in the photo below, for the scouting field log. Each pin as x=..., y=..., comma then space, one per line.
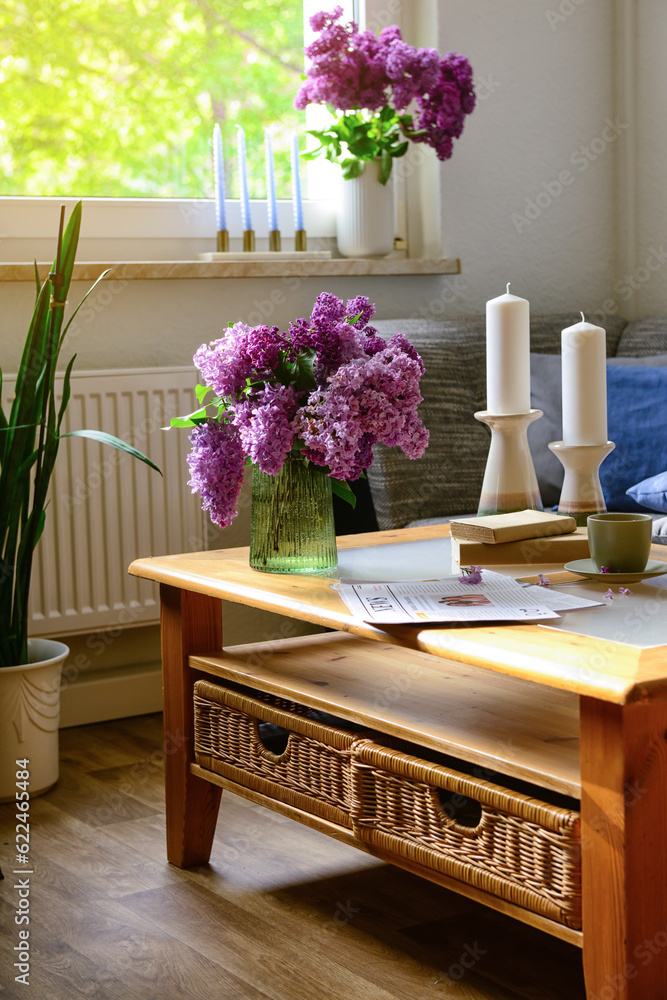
x=312, y=772
x=504, y=842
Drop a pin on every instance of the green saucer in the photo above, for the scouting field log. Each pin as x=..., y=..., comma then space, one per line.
x=586, y=567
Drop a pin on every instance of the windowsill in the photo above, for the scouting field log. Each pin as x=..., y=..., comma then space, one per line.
x=177, y=269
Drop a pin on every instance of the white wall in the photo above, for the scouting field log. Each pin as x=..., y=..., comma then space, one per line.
x=544, y=91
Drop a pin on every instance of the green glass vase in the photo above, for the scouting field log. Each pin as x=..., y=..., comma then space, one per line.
x=291, y=520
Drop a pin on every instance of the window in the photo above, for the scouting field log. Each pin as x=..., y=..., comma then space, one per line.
x=115, y=100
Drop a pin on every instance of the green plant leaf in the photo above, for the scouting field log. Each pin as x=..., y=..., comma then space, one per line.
x=343, y=490
x=351, y=168
x=114, y=442
x=67, y=391
x=304, y=376
x=186, y=422
x=202, y=392
x=385, y=166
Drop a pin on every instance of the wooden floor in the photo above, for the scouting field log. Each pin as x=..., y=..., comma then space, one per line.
x=282, y=912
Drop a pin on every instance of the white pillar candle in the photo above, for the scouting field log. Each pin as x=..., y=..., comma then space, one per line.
x=584, y=367
x=507, y=354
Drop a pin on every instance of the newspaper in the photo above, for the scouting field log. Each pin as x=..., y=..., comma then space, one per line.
x=495, y=598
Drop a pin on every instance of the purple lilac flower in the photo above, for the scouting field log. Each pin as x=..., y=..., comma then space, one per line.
x=216, y=462
x=608, y=594
x=605, y=569
x=330, y=333
x=471, y=574
x=263, y=345
x=265, y=427
x=443, y=109
x=543, y=581
x=347, y=69
x=624, y=591
x=225, y=364
x=375, y=396
x=360, y=307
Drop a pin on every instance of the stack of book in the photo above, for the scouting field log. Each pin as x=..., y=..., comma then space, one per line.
x=526, y=536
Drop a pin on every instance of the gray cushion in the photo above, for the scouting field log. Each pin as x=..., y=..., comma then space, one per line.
x=642, y=337
x=545, y=395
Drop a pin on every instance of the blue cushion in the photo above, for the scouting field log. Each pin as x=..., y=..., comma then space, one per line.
x=651, y=493
x=637, y=421
x=637, y=411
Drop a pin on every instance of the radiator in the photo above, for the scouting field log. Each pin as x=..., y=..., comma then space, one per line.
x=106, y=508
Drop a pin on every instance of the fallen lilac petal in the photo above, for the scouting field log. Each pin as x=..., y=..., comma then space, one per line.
x=543, y=581
x=624, y=591
x=605, y=569
x=609, y=594
x=471, y=574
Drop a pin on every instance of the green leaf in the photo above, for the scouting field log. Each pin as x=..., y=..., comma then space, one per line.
x=304, y=377
x=202, y=392
x=114, y=442
x=185, y=422
x=67, y=391
x=351, y=168
x=343, y=490
x=385, y=166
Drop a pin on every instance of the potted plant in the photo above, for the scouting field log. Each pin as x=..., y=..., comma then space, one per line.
x=368, y=84
x=30, y=435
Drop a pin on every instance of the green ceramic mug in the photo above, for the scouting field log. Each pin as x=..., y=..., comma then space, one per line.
x=621, y=542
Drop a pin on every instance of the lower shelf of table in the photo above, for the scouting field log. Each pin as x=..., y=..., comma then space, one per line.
x=525, y=730
x=346, y=836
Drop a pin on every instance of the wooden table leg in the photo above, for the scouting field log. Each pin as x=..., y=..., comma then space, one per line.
x=624, y=849
x=191, y=623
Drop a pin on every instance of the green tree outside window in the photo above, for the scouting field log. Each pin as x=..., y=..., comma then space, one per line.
x=117, y=98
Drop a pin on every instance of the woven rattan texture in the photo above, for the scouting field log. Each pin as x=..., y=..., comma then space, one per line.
x=314, y=772
x=523, y=850
x=447, y=479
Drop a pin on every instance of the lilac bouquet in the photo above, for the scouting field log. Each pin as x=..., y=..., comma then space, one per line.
x=373, y=80
x=323, y=393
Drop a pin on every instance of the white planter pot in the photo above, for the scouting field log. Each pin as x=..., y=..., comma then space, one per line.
x=29, y=717
x=365, y=214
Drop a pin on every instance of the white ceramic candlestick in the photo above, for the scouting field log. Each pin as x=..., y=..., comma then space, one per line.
x=510, y=482
x=507, y=354
x=581, y=494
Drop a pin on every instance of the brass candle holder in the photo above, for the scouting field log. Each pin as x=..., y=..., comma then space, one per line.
x=300, y=241
x=274, y=240
x=248, y=240
x=223, y=241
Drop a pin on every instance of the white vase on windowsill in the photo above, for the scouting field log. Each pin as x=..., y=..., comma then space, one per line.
x=365, y=214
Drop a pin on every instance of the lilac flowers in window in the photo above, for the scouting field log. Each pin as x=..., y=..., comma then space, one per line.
x=373, y=80
x=325, y=391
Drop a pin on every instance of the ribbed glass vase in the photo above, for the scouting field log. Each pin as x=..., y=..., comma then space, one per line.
x=291, y=520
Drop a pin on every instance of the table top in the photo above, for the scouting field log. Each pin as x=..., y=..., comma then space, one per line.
x=604, y=668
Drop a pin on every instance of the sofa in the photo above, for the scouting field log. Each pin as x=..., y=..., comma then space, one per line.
x=447, y=480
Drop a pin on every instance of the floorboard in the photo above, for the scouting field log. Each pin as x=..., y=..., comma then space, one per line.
x=281, y=913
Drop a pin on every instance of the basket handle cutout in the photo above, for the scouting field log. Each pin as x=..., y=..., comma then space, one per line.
x=273, y=739
x=458, y=810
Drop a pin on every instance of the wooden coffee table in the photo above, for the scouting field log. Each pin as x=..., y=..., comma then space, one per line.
x=517, y=699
